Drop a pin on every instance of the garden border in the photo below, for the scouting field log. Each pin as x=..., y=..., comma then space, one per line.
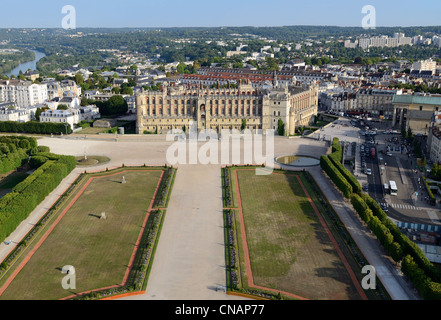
x=95, y=293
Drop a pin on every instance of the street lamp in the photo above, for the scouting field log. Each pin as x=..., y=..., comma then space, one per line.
x=66, y=125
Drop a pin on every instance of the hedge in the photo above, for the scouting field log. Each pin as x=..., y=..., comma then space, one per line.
x=37, y=161
x=25, y=197
x=429, y=290
x=423, y=274
x=337, y=149
x=34, y=127
x=336, y=176
x=356, y=187
x=13, y=160
x=13, y=151
x=376, y=208
x=34, y=151
x=429, y=191
x=362, y=208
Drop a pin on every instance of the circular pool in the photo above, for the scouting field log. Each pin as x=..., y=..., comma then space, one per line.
x=298, y=161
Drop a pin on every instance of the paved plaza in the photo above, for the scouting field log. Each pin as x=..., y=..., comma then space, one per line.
x=189, y=262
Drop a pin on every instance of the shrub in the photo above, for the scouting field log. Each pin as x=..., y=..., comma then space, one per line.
x=37, y=161
x=336, y=176
x=356, y=187
x=16, y=206
x=33, y=127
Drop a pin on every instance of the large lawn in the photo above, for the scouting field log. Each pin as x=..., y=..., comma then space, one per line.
x=100, y=250
x=289, y=249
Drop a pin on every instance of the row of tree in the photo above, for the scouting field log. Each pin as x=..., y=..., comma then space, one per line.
x=116, y=105
x=14, y=152
x=34, y=127
x=24, y=198
x=424, y=275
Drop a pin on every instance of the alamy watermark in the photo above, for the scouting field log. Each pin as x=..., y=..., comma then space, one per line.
x=69, y=281
x=69, y=21
x=369, y=282
x=369, y=21
x=255, y=148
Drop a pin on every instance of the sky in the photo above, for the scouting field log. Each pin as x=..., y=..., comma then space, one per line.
x=209, y=13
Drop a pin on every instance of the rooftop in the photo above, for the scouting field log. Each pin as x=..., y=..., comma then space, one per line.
x=414, y=99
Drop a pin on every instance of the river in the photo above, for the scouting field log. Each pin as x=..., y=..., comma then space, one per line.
x=27, y=65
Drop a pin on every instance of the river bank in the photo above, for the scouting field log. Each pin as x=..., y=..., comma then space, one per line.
x=24, y=66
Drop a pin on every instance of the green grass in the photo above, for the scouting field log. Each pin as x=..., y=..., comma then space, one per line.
x=91, y=131
x=100, y=250
x=92, y=160
x=289, y=248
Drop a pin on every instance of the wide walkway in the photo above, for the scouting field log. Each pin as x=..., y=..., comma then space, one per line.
x=36, y=215
x=190, y=258
x=395, y=283
x=189, y=262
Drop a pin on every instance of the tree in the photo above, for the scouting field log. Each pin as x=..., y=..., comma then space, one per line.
x=115, y=105
x=244, y=125
x=196, y=65
x=79, y=79
x=134, y=67
x=116, y=90
x=410, y=136
x=62, y=107
x=281, y=128
x=358, y=60
x=127, y=90
x=38, y=112
x=182, y=68
x=238, y=65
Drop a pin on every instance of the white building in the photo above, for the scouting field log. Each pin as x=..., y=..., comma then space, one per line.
x=89, y=113
x=436, y=41
x=22, y=93
x=424, y=65
x=70, y=117
x=8, y=114
x=350, y=44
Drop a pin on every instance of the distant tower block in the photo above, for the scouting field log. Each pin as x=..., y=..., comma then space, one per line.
x=103, y=216
x=124, y=180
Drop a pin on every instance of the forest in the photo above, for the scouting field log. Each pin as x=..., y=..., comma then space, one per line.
x=9, y=61
x=64, y=48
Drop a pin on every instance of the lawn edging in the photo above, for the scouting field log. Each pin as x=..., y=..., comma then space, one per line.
x=137, y=276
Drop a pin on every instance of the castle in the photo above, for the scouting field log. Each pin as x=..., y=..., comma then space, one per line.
x=225, y=107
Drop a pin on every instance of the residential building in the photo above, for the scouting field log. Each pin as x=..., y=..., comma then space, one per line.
x=22, y=93
x=434, y=138
x=415, y=111
x=18, y=115
x=377, y=101
x=69, y=117
x=424, y=65
x=89, y=113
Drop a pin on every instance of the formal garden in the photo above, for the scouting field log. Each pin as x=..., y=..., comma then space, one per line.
x=284, y=240
x=106, y=225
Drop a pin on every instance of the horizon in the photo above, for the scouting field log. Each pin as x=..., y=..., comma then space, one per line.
x=223, y=26
x=231, y=13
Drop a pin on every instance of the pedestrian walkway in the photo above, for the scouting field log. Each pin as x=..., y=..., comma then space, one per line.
x=190, y=257
x=394, y=282
x=22, y=230
x=401, y=206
